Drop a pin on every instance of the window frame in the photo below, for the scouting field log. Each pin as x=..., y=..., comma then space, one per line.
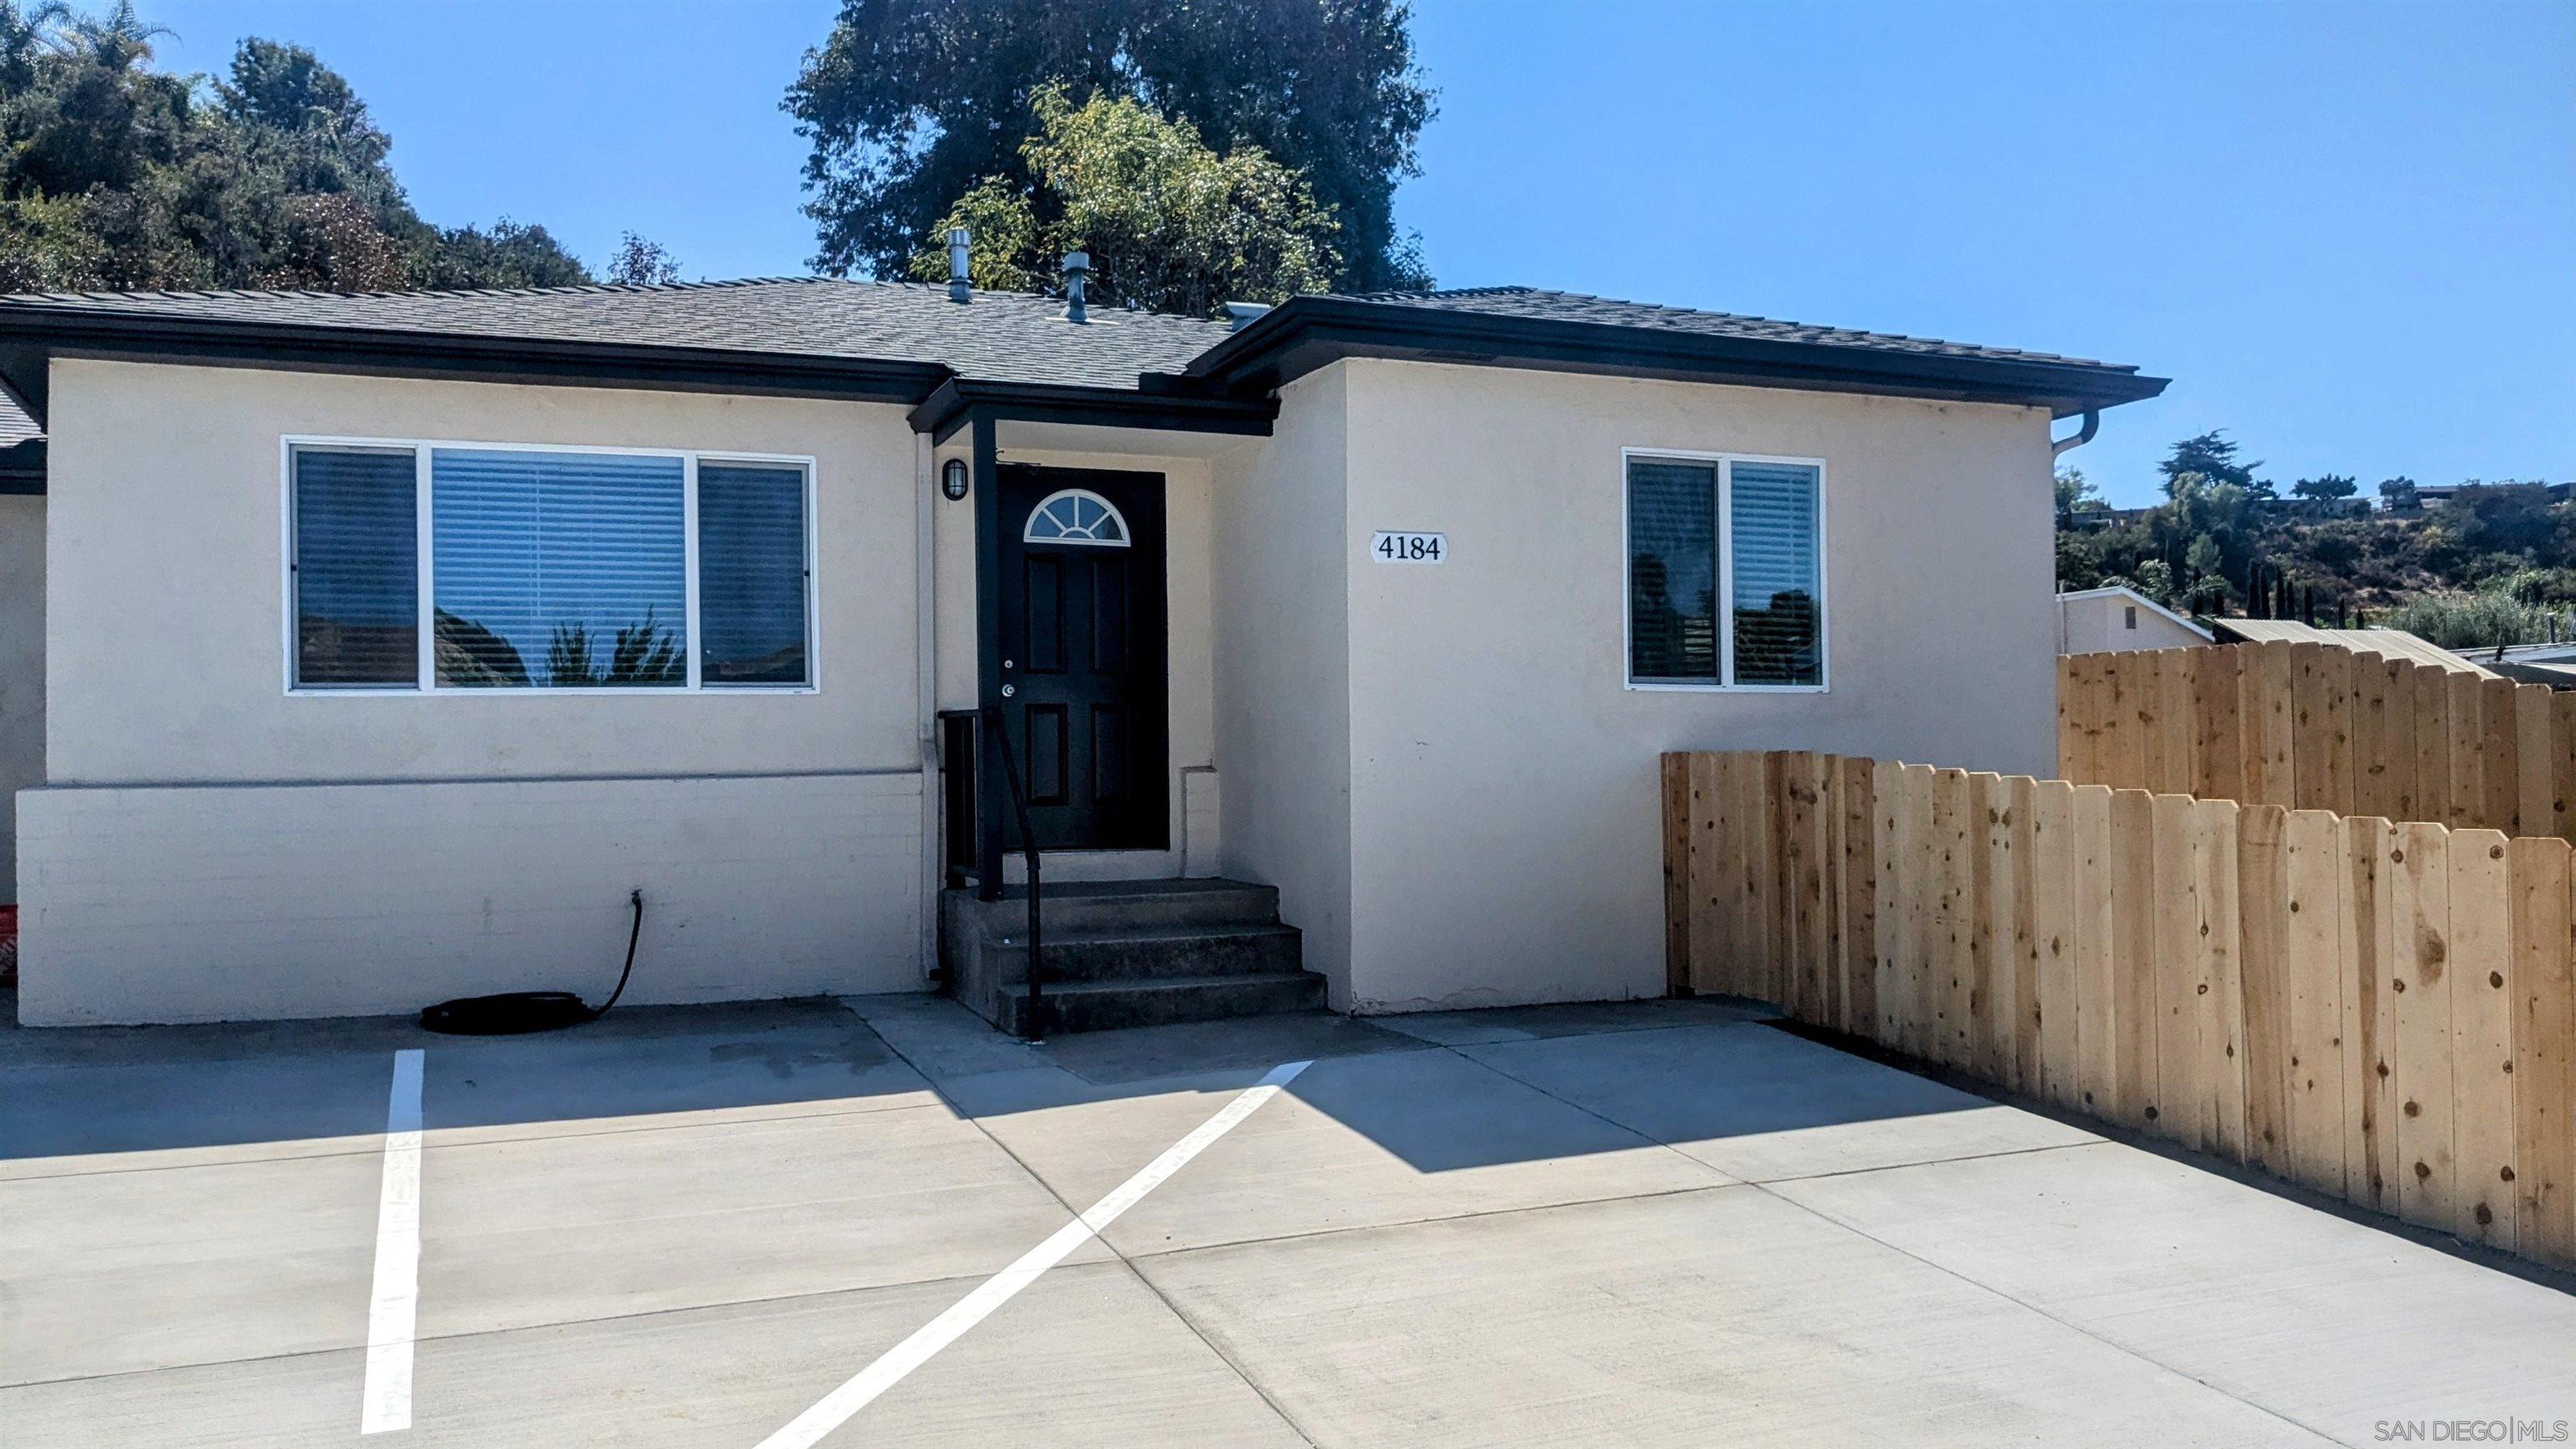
x=425, y=680
x=1725, y=540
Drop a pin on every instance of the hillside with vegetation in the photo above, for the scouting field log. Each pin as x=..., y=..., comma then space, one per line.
x=116, y=176
x=2490, y=563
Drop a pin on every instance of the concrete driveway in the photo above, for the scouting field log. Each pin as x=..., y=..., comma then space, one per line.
x=849, y=1223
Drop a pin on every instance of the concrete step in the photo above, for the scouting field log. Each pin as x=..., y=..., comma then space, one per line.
x=1108, y=1005
x=1072, y=908
x=1073, y=957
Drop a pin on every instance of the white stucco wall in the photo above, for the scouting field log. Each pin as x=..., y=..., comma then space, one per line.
x=1504, y=810
x=1283, y=667
x=22, y=666
x=165, y=625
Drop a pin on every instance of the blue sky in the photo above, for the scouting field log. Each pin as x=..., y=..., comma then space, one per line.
x=2346, y=230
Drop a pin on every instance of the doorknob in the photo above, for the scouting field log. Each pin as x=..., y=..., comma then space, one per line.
x=1008, y=691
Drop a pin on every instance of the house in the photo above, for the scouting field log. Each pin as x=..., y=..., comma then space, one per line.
x=390, y=641
x=2119, y=619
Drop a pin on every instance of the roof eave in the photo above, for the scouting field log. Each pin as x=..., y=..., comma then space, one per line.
x=1158, y=404
x=468, y=356
x=1306, y=333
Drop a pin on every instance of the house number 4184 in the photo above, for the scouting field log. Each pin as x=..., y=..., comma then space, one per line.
x=1412, y=548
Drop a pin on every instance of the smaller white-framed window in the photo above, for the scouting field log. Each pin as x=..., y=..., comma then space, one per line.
x=1079, y=517
x=1725, y=574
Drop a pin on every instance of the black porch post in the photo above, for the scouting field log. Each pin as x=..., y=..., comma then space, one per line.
x=989, y=786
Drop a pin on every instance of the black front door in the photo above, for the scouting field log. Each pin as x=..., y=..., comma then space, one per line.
x=1081, y=639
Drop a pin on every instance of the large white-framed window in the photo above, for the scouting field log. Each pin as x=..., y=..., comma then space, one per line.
x=449, y=567
x=1725, y=571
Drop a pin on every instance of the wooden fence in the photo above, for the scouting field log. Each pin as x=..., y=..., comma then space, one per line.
x=2385, y=1012
x=2315, y=727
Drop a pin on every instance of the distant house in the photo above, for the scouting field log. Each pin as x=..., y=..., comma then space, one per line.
x=390, y=640
x=2119, y=619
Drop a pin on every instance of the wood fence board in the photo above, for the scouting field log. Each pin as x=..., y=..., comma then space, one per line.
x=2433, y=752
x=2072, y=748
x=2465, y=696
x=2498, y=757
x=2185, y=1091
x=2133, y=953
x=1888, y=843
x=2268, y=693
x=2374, y=784
x=2218, y=997
x=2339, y=669
x=2419, y=901
x=1798, y=907
x=2022, y=828
x=2090, y=910
x=2399, y=800
x=2263, y=917
x=1708, y=887
x=1752, y=811
x=2533, y=813
x=1673, y=772
x=2369, y=940
x=2310, y=712
x=2180, y=716
x=2146, y=718
x=2481, y=966
x=2050, y=910
x=2544, y=1050
x=1990, y=908
x=1952, y=930
x=2219, y=750
x=1859, y=880
x=1923, y=887
x=2562, y=763
x=2315, y=1074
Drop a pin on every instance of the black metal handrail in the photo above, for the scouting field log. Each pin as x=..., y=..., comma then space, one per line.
x=1032, y=1027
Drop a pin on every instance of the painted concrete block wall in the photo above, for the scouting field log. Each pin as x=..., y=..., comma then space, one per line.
x=1503, y=788
x=203, y=903
x=164, y=558
x=1283, y=669
x=22, y=665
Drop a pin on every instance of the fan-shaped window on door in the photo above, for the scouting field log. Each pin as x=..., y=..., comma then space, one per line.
x=1077, y=517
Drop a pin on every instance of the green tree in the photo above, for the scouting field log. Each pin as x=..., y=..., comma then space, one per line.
x=1168, y=223
x=641, y=263
x=2397, y=494
x=2212, y=455
x=2326, y=488
x=912, y=104
x=114, y=175
x=2073, y=492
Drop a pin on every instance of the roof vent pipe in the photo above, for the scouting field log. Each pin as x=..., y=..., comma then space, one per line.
x=1241, y=314
x=960, y=289
x=1076, y=266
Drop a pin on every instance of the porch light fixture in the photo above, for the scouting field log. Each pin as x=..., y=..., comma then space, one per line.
x=952, y=480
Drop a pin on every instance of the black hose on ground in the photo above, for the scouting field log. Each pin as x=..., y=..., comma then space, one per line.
x=515, y=1013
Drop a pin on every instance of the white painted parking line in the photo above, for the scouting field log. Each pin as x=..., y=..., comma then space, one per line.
x=393, y=1309
x=836, y=1407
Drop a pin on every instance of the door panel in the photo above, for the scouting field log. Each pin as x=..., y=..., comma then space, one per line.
x=1081, y=635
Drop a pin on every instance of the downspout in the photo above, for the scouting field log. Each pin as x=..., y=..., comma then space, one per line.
x=2058, y=447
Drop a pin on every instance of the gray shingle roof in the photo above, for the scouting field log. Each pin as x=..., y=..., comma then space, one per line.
x=998, y=337
x=1540, y=305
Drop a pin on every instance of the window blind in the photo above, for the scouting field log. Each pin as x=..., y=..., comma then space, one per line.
x=559, y=570
x=751, y=574
x=357, y=568
x=1772, y=528
x=1672, y=570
